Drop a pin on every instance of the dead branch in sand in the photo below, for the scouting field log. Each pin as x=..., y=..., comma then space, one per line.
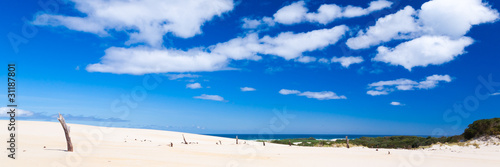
x=185, y=142
x=66, y=132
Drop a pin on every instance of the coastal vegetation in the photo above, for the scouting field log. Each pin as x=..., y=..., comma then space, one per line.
x=479, y=128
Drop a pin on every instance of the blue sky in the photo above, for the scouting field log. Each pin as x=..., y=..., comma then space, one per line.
x=222, y=66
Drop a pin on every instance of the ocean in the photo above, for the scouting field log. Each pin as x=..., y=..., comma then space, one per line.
x=293, y=136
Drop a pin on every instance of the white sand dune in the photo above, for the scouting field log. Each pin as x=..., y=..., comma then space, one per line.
x=98, y=146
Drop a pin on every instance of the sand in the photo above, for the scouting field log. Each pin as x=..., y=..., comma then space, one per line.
x=43, y=144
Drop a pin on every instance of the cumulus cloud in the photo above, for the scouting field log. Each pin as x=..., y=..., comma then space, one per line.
x=386, y=29
x=423, y=51
x=18, y=112
x=194, y=86
x=395, y=103
x=323, y=95
x=143, y=60
x=247, y=89
x=291, y=14
x=430, y=28
x=457, y=19
x=403, y=84
x=326, y=13
x=210, y=97
x=347, y=61
x=454, y=22
x=289, y=45
x=145, y=21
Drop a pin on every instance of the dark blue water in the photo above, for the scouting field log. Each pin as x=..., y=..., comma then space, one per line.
x=293, y=136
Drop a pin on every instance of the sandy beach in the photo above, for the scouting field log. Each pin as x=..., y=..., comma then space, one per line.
x=43, y=144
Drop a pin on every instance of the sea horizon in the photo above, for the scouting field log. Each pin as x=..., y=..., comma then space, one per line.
x=296, y=136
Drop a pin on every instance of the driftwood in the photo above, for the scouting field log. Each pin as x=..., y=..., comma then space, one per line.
x=236, y=139
x=347, y=141
x=289, y=143
x=185, y=142
x=264, y=143
x=66, y=132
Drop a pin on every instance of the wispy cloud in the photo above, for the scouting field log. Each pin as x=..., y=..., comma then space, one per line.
x=347, y=61
x=247, y=89
x=30, y=115
x=210, y=97
x=288, y=92
x=395, y=103
x=323, y=95
x=495, y=94
x=180, y=76
x=386, y=87
x=18, y=112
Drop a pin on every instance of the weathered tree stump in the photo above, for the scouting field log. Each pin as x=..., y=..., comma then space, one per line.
x=66, y=132
x=347, y=141
x=185, y=142
x=236, y=139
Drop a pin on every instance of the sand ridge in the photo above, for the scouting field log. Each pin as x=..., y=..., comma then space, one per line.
x=43, y=144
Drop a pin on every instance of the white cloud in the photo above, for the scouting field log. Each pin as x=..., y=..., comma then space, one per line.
x=179, y=76
x=247, y=89
x=324, y=95
x=291, y=14
x=403, y=84
x=395, y=103
x=306, y=59
x=290, y=46
x=144, y=20
x=347, y=61
x=251, y=23
x=288, y=92
x=258, y=23
x=436, y=35
x=18, y=112
x=210, y=97
x=423, y=51
x=194, y=86
x=323, y=60
x=457, y=19
x=495, y=94
x=354, y=11
x=386, y=29
x=240, y=48
x=143, y=60
x=376, y=93
x=326, y=13
x=454, y=22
